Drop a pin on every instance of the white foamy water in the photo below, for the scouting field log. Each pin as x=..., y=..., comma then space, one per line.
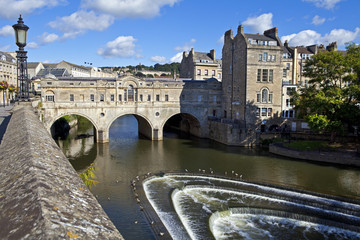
x=194, y=199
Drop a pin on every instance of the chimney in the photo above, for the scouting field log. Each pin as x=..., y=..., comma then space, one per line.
x=212, y=53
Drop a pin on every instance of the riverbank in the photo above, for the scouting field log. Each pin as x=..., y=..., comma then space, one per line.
x=347, y=158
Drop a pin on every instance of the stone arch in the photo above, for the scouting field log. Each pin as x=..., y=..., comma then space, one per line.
x=145, y=126
x=189, y=123
x=53, y=120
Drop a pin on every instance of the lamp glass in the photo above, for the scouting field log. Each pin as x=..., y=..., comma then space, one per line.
x=20, y=36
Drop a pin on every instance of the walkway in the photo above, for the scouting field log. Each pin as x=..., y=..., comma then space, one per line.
x=5, y=115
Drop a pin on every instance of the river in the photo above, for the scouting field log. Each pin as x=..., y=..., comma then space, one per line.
x=127, y=156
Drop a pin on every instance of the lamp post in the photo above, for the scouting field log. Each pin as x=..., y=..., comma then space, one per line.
x=22, y=92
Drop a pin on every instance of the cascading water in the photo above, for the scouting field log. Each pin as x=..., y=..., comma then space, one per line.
x=207, y=207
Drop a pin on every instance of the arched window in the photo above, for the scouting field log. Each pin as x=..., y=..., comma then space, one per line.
x=49, y=96
x=130, y=93
x=264, y=95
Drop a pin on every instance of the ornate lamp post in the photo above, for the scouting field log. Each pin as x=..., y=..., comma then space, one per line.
x=22, y=92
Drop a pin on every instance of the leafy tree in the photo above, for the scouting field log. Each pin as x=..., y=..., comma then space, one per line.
x=332, y=102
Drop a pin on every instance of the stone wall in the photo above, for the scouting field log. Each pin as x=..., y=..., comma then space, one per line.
x=343, y=158
x=41, y=195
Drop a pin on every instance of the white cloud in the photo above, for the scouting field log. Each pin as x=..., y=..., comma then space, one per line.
x=4, y=48
x=81, y=21
x=259, y=24
x=32, y=45
x=186, y=47
x=317, y=20
x=310, y=37
x=220, y=40
x=122, y=47
x=177, y=57
x=6, y=31
x=128, y=8
x=10, y=9
x=48, y=38
x=158, y=59
x=327, y=4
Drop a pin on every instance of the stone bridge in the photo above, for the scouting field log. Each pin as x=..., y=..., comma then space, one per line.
x=152, y=101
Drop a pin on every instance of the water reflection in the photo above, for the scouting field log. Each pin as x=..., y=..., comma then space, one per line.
x=127, y=156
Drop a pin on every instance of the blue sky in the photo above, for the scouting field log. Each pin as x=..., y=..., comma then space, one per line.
x=129, y=32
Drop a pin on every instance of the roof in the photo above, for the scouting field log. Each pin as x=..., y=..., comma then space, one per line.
x=203, y=56
x=8, y=57
x=57, y=72
x=259, y=37
x=33, y=64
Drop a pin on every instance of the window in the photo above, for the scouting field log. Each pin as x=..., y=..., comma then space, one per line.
x=214, y=98
x=288, y=102
x=270, y=97
x=291, y=113
x=258, y=79
x=273, y=58
x=271, y=74
x=149, y=98
x=158, y=97
x=120, y=98
x=199, y=98
x=92, y=97
x=284, y=73
x=264, y=95
x=258, y=97
x=141, y=97
x=230, y=69
x=71, y=97
x=130, y=92
x=219, y=75
x=50, y=98
x=166, y=98
x=289, y=90
x=258, y=112
x=213, y=73
x=265, y=56
x=125, y=95
x=263, y=112
x=206, y=72
x=269, y=112
x=112, y=97
x=198, y=72
x=260, y=57
x=265, y=75
x=288, y=66
x=102, y=98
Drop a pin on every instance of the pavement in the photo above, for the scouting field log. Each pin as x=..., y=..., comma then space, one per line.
x=5, y=115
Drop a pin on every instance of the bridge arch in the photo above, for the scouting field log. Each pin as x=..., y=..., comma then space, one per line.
x=145, y=126
x=187, y=123
x=54, y=119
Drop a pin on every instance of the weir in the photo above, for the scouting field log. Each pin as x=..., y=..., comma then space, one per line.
x=209, y=206
x=42, y=197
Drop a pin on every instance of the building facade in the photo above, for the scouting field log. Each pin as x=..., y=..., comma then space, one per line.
x=252, y=80
x=200, y=66
x=8, y=73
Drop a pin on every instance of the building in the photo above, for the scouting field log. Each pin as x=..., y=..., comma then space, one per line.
x=293, y=62
x=8, y=73
x=200, y=66
x=75, y=70
x=252, y=82
x=34, y=68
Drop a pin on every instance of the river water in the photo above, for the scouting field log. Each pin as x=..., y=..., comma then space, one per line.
x=127, y=156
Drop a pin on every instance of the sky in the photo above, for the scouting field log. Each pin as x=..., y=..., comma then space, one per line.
x=129, y=32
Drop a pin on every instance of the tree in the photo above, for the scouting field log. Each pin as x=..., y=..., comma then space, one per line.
x=332, y=102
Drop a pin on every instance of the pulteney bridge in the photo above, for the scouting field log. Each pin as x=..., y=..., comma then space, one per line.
x=152, y=101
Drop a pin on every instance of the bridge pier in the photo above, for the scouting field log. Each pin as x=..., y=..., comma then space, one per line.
x=102, y=136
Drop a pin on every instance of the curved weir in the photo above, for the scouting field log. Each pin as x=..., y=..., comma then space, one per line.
x=207, y=207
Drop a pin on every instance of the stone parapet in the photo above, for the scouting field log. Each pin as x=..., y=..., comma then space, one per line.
x=41, y=195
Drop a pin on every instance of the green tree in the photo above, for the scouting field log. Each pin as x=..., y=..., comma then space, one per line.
x=331, y=102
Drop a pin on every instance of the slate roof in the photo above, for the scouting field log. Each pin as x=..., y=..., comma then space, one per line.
x=8, y=57
x=259, y=37
x=57, y=72
x=202, y=56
